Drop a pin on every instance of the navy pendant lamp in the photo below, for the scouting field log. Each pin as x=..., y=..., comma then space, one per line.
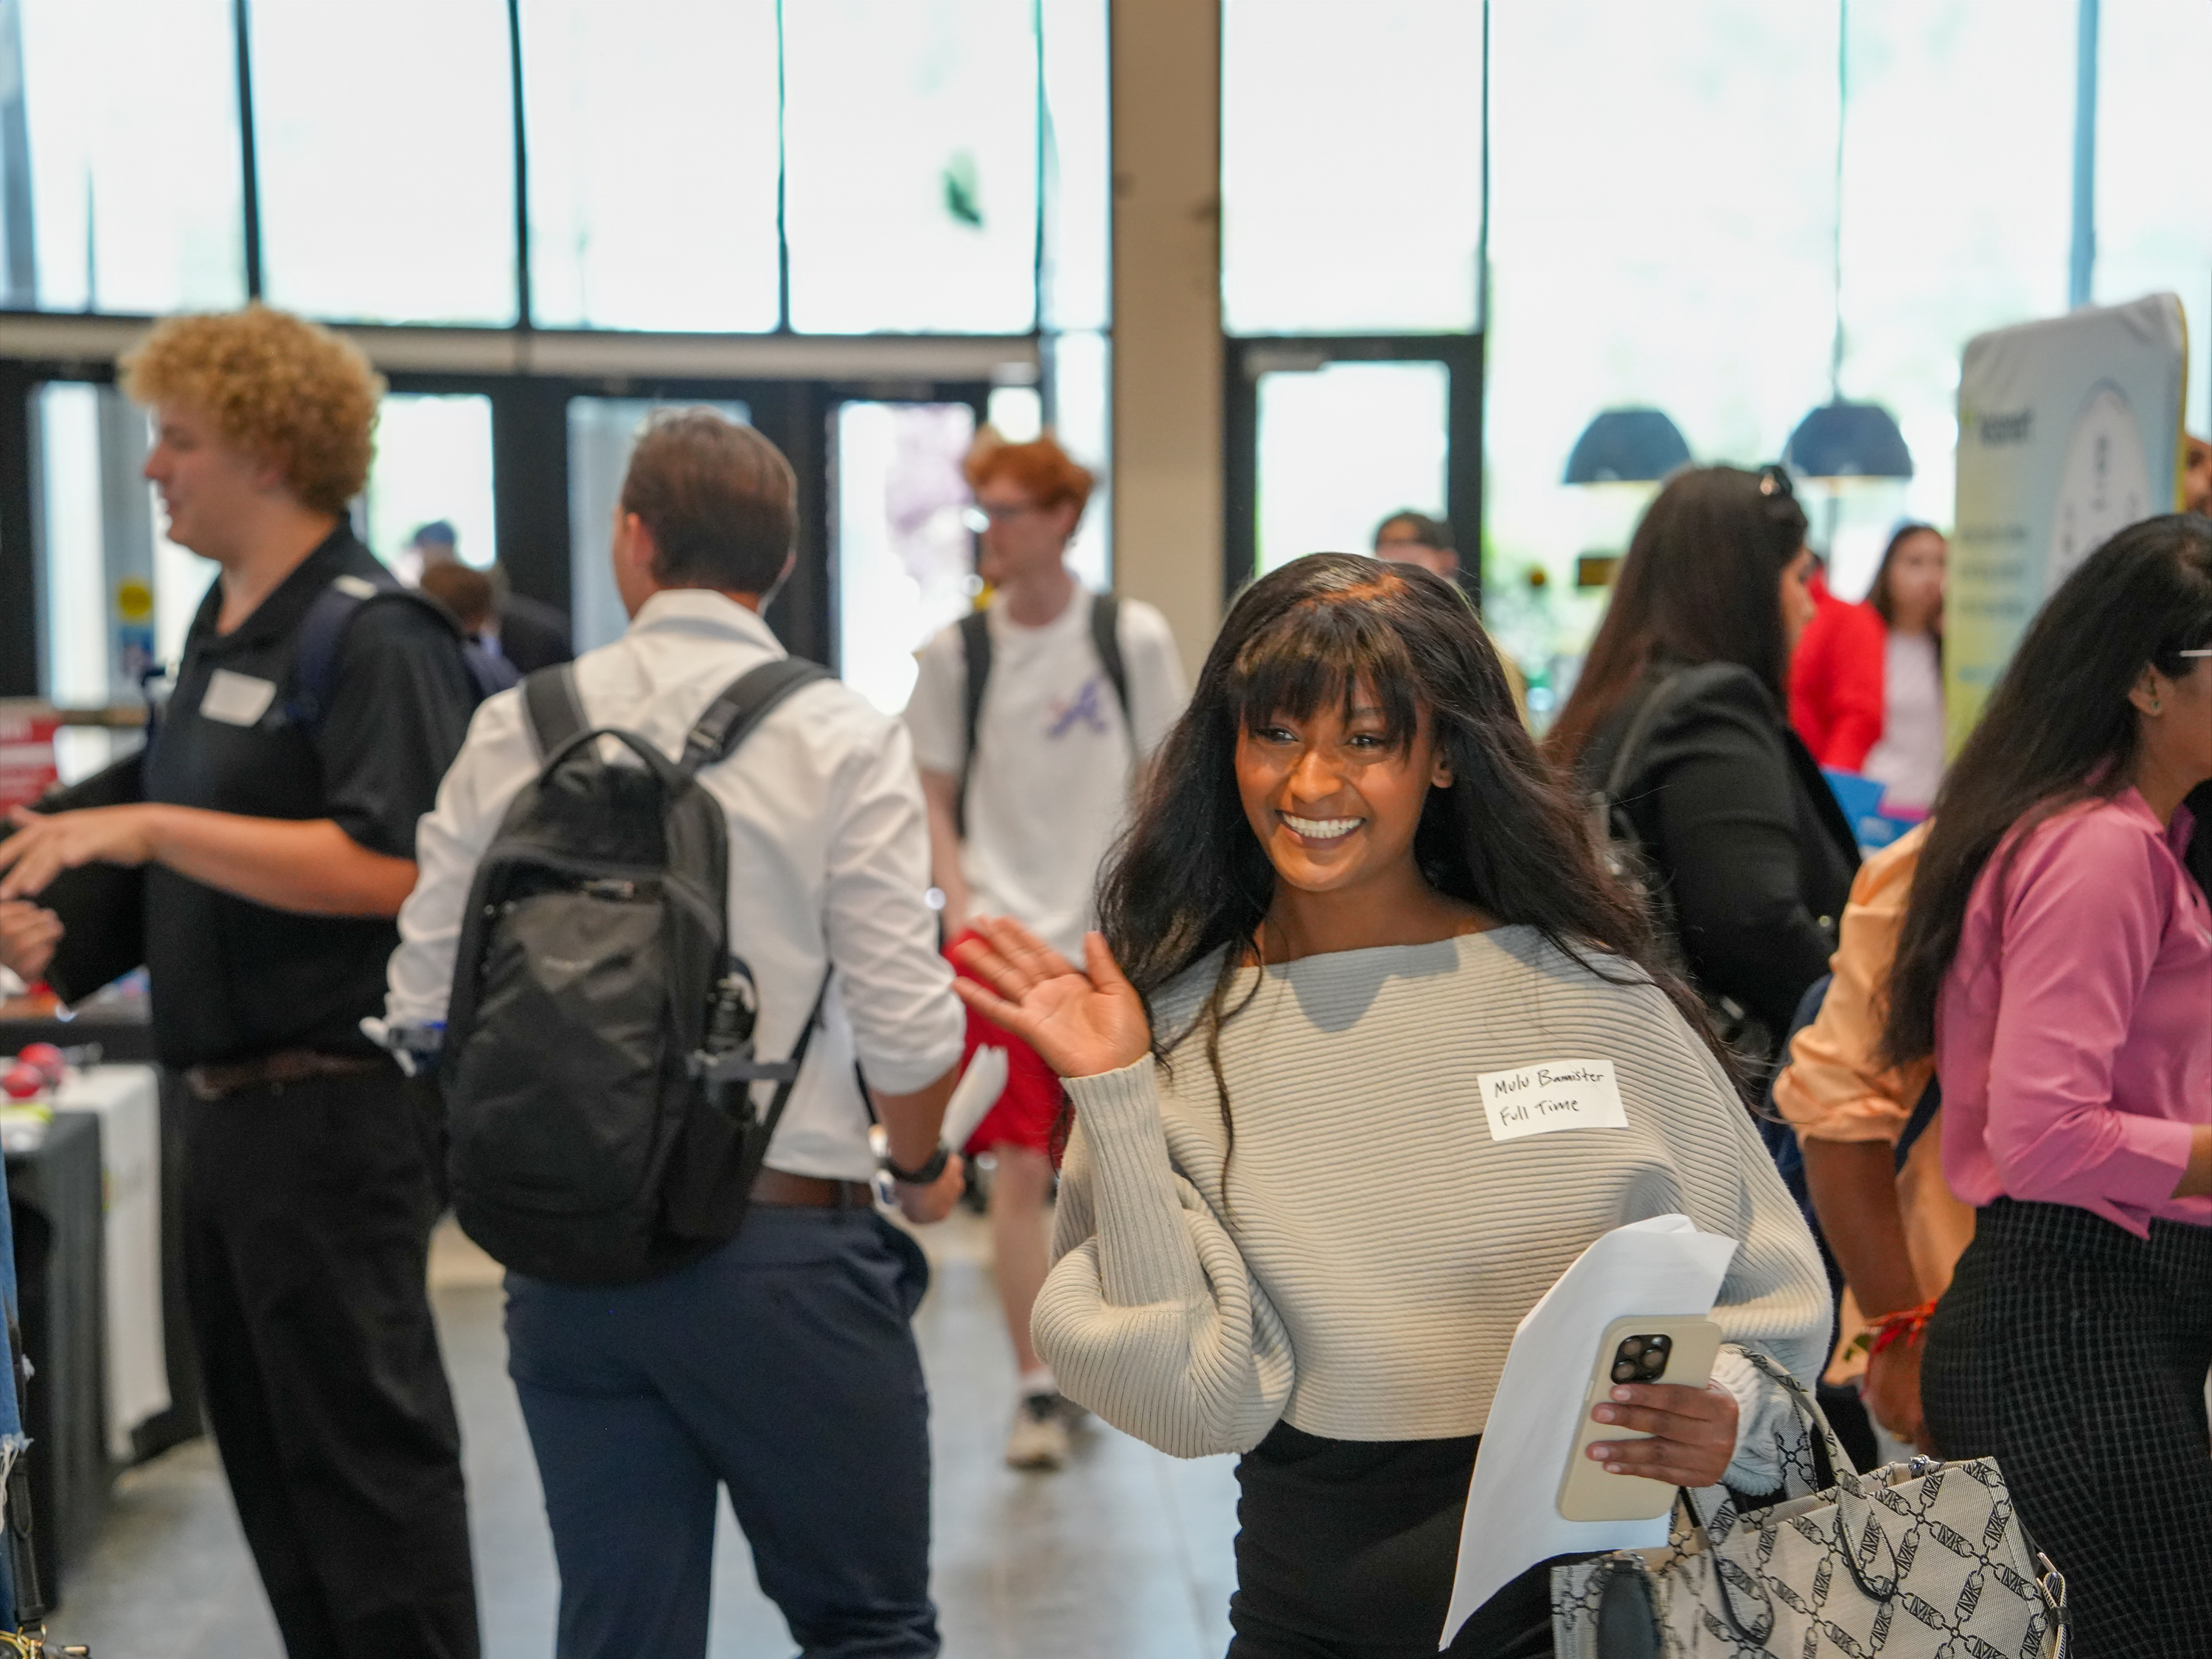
x=1848, y=441
x=1627, y=446
x=1842, y=439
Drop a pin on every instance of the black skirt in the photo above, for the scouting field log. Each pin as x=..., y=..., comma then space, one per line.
x=1346, y=1550
x=2075, y=1353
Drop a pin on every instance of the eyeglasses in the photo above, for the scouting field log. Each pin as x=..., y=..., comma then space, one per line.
x=982, y=516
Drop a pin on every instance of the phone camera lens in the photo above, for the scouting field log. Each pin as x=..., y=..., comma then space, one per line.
x=1632, y=1347
x=1658, y=1344
x=1626, y=1370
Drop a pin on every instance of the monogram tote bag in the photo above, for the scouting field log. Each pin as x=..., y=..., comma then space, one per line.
x=1920, y=1560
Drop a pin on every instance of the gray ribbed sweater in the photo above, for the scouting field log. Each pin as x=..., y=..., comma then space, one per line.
x=1379, y=1247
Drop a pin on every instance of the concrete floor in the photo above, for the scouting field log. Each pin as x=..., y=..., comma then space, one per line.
x=1125, y=1552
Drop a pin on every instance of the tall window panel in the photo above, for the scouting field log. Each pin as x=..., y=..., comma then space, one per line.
x=651, y=130
x=1664, y=236
x=2153, y=206
x=1083, y=420
x=119, y=157
x=1079, y=166
x=910, y=133
x=1941, y=239
x=1352, y=163
x=385, y=140
x=433, y=462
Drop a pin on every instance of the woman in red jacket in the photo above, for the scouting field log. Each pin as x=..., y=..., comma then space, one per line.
x=1866, y=684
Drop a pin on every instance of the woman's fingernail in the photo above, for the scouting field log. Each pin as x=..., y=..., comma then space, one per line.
x=1605, y=1413
x=1622, y=1394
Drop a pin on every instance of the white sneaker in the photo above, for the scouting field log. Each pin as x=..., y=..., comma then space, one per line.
x=1038, y=1439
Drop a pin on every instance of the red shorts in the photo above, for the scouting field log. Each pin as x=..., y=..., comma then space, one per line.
x=1024, y=1115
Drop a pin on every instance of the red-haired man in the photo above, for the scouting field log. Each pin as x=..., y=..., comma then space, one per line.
x=1029, y=721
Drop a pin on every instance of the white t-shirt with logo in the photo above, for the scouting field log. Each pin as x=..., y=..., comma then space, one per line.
x=1049, y=789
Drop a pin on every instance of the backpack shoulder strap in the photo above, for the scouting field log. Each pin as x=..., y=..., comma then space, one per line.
x=1106, y=641
x=556, y=710
x=322, y=635
x=976, y=653
x=730, y=718
x=315, y=675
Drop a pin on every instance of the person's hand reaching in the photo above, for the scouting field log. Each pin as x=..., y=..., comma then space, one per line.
x=1891, y=1391
x=28, y=933
x=1084, y=1022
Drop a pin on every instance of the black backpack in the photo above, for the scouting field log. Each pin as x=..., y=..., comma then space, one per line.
x=976, y=649
x=599, y=1062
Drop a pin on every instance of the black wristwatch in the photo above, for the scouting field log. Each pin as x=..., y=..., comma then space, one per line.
x=926, y=1175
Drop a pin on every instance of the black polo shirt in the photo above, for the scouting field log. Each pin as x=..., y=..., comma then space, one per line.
x=232, y=979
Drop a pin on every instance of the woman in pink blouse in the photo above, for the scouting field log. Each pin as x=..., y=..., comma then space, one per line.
x=2056, y=960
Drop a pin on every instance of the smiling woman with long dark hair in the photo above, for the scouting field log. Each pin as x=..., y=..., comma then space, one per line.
x=1286, y=1227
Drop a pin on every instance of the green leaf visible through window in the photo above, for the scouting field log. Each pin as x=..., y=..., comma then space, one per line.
x=963, y=199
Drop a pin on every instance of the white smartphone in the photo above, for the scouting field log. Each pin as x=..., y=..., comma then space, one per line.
x=1646, y=1348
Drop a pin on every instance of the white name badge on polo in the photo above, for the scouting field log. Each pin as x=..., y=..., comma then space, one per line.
x=1559, y=1094
x=236, y=699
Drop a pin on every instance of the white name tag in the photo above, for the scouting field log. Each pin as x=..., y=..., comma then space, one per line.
x=1559, y=1094
x=236, y=699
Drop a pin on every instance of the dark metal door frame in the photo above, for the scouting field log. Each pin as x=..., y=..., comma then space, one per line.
x=530, y=481
x=1245, y=359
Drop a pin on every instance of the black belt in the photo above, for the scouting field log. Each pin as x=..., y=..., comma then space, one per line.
x=273, y=1071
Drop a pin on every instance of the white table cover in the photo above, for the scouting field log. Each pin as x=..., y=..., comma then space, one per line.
x=129, y=1100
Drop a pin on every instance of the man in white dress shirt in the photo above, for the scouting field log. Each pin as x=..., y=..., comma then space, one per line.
x=781, y=1366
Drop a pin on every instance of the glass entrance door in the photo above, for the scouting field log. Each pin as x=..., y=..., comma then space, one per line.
x=1327, y=439
x=902, y=557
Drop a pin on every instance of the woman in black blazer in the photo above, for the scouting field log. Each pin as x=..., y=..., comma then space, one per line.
x=1754, y=857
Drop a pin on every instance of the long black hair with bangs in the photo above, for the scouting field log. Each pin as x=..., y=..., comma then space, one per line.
x=1190, y=878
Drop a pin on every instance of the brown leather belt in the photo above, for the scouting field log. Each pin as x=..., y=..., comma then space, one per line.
x=775, y=1187
x=274, y=1070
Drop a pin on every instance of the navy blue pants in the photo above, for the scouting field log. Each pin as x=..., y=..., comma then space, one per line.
x=783, y=1367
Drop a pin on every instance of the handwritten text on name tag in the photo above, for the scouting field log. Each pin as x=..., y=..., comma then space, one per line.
x=1559, y=1094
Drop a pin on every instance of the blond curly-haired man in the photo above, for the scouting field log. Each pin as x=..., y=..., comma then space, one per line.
x=275, y=824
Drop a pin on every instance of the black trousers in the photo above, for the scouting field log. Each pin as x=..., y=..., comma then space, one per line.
x=1346, y=1549
x=2076, y=1354
x=308, y=1218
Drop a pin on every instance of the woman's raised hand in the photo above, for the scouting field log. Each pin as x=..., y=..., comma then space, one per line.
x=1084, y=1022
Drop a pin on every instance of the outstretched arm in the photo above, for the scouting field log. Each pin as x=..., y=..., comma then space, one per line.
x=311, y=867
x=1149, y=1316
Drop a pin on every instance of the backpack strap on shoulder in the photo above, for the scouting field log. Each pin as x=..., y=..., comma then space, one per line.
x=556, y=713
x=315, y=675
x=731, y=717
x=1106, y=641
x=976, y=653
